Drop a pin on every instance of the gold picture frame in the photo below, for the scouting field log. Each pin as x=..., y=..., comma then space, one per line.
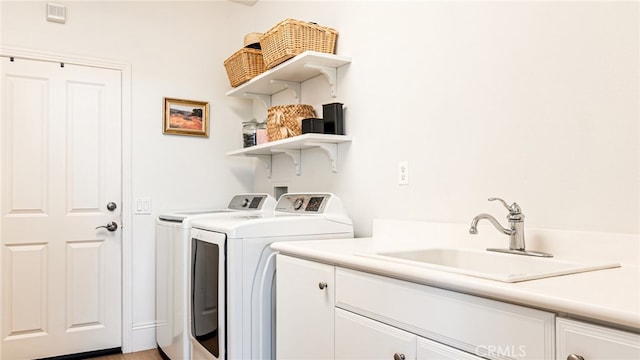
x=186, y=117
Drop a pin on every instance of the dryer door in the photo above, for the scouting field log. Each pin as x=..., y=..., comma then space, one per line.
x=208, y=275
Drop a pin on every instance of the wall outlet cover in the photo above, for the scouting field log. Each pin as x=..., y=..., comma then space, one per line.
x=403, y=173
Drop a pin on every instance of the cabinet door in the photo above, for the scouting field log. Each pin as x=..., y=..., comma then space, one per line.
x=358, y=337
x=592, y=342
x=431, y=350
x=304, y=309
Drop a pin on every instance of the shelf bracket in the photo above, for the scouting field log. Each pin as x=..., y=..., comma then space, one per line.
x=293, y=154
x=331, y=150
x=330, y=73
x=266, y=99
x=293, y=86
x=266, y=160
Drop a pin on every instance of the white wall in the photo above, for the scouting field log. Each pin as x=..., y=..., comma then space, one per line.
x=536, y=102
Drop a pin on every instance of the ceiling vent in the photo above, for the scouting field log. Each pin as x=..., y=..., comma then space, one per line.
x=56, y=13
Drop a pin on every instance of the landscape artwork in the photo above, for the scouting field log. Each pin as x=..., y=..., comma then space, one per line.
x=186, y=117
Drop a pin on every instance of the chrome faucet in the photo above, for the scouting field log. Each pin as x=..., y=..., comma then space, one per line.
x=515, y=230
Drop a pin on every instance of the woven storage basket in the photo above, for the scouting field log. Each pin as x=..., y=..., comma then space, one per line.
x=291, y=37
x=244, y=65
x=284, y=121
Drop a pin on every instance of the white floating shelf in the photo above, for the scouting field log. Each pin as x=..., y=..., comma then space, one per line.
x=293, y=146
x=303, y=67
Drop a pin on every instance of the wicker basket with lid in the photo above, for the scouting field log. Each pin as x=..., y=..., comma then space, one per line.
x=292, y=37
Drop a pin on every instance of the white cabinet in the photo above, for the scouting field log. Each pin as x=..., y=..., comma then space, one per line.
x=476, y=325
x=324, y=312
x=304, y=309
x=321, y=308
x=582, y=341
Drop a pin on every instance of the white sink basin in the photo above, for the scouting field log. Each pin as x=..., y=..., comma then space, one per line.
x=489, y=265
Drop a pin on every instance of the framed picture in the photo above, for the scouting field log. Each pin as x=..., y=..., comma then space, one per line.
x=186, y=117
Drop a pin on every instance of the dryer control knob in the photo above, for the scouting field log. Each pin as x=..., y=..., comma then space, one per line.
x=298, y=203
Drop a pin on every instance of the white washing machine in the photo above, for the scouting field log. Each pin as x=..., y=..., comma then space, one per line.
x=172, y=273
x=233, y=268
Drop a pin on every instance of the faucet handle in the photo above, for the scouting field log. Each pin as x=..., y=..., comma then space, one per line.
x=514, y=209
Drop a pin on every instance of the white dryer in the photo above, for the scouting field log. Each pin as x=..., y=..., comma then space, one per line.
x=233, y=268
x=172, y=273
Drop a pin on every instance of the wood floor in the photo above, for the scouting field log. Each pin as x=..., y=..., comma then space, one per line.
x=140, y=355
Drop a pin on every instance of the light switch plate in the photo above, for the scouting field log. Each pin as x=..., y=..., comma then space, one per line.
x=143, y=206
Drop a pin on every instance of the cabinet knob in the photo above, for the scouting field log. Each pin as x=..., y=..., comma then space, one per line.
x=398, y=356
x=322, y=285
x=575, y=357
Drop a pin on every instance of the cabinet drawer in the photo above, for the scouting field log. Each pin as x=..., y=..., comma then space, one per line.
x=593, y=342
x=431, y=350
x=477, y=325
x=360, y=338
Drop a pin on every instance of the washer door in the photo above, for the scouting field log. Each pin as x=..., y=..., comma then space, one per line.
x=208, y=292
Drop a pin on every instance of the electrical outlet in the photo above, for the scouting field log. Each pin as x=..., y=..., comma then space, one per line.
x=403, y=173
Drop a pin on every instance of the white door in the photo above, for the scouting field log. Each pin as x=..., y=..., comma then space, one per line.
x=60, y=277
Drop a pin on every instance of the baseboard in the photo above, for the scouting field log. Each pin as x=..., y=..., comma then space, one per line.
x=86, y=355
x=143, y=336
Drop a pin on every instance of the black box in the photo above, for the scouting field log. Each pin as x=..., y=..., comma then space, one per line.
x=312, y=125
x=333, y=118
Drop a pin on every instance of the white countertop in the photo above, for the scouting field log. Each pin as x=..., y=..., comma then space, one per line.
x=610, y=295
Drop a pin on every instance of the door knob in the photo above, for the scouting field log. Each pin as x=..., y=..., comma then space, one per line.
x=112, y=206
x=112, y=226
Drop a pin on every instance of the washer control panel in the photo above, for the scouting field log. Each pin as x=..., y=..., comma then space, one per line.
x=303, y=203
x=247, y=202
